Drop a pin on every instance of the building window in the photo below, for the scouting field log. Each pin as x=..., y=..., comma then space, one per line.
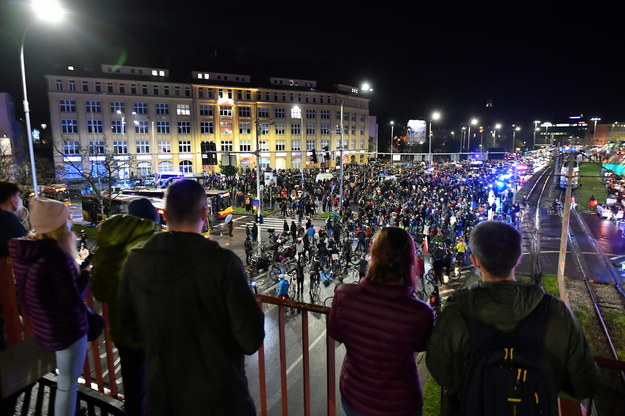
x=71, y=147
x=94, y=126
x=183, y=109
x=141, y=127
x=143, y=146
x=338, y=115
x=162, y=127
x=85, y=86
x=310, y=144
x=144, y=89
x=206, y=127
x=162, y=109
x=184, y=146
x=226, y=145
x=296, y=112
x=264, y=128
x=185, y=166
x=144, y=168
x=177, y=91
x=310, y=128
x=264, y=146
x=206, y=110
x=164, y=146
x=117, y=107
x=155, y=89
x=59, y=85
x=325, y=129
x=263, y=112
x=296, y=145
x=120, y=147
x=184, y=127
x=244, y=112
x=92, y=106
x=362, y=131
x=166, y=90
x=353, y=131
x=310, y=114
x=98, y=87
x=279, y=113
x=72, y=85
x=118, y=127
x=187, y=91
x=122, y=88
x=69, y=126
x=68, y=106
x=280, y=145
x=141, y=108
x=280, y=128
x=296, y=129
x=324, y=144
x=200, y=92
x=225, y=111
x=165, y=166
x=96, y=147
x=133, y=89
x=245, y=128
x=109, y=87
x=324, y=114
x=245, y=146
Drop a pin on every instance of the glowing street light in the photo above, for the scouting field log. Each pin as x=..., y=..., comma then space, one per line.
x=435, y=117
x=392, y=126
x=50, y=11
x=594, y=129
x=473, y=123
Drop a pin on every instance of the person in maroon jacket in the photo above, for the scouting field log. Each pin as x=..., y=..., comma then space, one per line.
x=382, y=325
x=50, y=289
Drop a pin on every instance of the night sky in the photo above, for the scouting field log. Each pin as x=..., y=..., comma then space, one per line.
x=535, y=60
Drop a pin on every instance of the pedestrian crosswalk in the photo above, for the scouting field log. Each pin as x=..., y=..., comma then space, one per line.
x=271, y=222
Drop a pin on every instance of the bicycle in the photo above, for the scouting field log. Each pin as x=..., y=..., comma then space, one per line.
x=557, y=211
x=282, y=268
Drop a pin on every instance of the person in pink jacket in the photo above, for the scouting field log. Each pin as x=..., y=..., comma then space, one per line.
x=382, y=325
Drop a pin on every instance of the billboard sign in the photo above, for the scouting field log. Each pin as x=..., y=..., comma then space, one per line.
x=416, y=132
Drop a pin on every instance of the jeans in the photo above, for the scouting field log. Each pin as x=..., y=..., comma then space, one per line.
x=69, y=362
x=133, y=374
x=351, y=412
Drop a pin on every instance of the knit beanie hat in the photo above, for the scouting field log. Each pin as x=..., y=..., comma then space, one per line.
x=47, y=215
x=142, y=207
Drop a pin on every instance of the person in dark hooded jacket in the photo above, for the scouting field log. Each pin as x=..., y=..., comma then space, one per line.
x=119, y=234
x=186, y=299
x=501, y=301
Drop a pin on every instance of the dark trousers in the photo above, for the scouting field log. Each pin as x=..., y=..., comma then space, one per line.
x=133, y=374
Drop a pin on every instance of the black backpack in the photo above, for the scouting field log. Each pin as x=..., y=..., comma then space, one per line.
x=508, y=373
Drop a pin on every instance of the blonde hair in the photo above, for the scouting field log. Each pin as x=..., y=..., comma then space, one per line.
x=392, y=258
x=64, y=237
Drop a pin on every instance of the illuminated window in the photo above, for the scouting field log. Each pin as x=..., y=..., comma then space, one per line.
x=264, y=145
x=185, y=166
x=296, y=145
x=280, y=145
x=225, y=111
x=183, y=109
x=310, y=128
x=141, y=127
x=280, y=128
x=245, y=128
x=144, y=168
x=120, y=147
x=165, y=166
x=310, y=144
x=164, y=146
x=325, y=129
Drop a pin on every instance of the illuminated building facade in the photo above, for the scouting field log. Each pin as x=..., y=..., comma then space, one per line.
x=138, y=114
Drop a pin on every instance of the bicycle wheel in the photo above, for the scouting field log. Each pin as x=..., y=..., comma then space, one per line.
x=276, y=271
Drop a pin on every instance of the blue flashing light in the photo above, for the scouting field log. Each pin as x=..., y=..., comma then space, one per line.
x=500, y=184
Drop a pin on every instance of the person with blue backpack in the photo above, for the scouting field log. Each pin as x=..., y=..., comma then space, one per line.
x=503, y=347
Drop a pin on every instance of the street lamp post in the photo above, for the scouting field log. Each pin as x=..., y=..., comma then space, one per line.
x=517, y=128
x=365, y=88
x=435, y=116
x=392, y=126
x=50, y=11
x=594, y=129
x=258, y=195
x=497, y=127
x=536, y=123
x=473, y=123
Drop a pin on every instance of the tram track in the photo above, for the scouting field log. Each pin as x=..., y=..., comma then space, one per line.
x=599, y=299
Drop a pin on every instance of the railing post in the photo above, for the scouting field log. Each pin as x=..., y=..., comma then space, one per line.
x=306, y=362
x=331, y=375
x=283, y=383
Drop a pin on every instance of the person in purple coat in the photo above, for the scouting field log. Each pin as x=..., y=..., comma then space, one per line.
x=382, y=325
x=50, y=289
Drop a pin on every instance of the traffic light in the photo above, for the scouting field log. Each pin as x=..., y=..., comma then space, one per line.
x=313, y=157
x=209, y=155
x=327, y=153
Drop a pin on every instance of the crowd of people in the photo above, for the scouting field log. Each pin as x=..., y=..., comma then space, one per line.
x=185, y=316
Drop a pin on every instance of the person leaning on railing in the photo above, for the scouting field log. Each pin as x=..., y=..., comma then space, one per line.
x=382, y=325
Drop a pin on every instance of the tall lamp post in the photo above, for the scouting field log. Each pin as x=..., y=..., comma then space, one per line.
x=594, y=129
x=517, y=128
x=392, y=126
x=435, y=116
x=497, y=127
x=50, y=11
x=365, y=88
x=536, y=123
x=473, y=123
x=294, y=114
